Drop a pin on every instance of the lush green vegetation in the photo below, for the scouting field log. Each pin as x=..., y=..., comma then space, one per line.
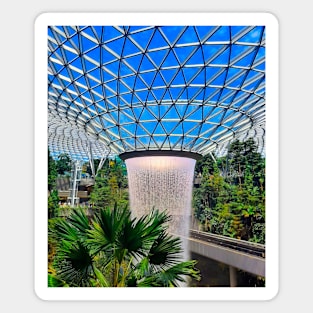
x=110, y=185
x=114, y=250
x=230, y=200
x=104, y=246
x=53, y=198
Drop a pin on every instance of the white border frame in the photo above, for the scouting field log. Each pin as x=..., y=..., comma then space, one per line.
x=272, y=161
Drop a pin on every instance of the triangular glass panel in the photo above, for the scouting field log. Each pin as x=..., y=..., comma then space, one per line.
x=110, y=33
x=172, y=32
x=112, y=85
x=206, y=129
x=216, y=117
x=220, y=35
x=204, y=31
x=145, y=140
x=146, y=64
x=130, y=81
x=69, y=56
x=183, y=96
x=179, y=79
x=195, y=131
x=122, y=88
x=199, y=79
x=124, y=133
x=237, y=51
x=170, y=60
x=94, y=54
x=146, y=115
x=163, y=108
x=235, y=30
x=101, y=106
x=260, y=56
x=226, y=96
x=148, y=77
x=129, y=48
x=151, y=98
x=222, y=58
x=95, y=74
x=157, y=41
x=166, y=144
x=116, y=45
x=171, y=113
x=149, y=126
x=199, y=96
x=124, y=119
x=168, y=74
x=98, y=32
x=130, y=142
x=187, y=142
x=195, y=115
x=106, y=56
x=178, y=130
x=219, y=80
x=142, y=37
x=193, y=91
x=196, y=58
x=137, y=112
x=157, y=56
x=176, y=141
x=189, y=126
x=168, y=126
x=124, y=70
x=159, y=130
x=87, y=43
x=142, y=95
x=158, y=81
x=175, y=92
x=160, y=140
x=190, y=72
x=140, y=131
x=253, y=85
x=183, y=53
x=189, y=36
x=246, y=61
x=211, y=50
x=167, y=96
x=113, y=67
x=191, y=109
x=159, y=93
x=140, y=84
x=253, y=36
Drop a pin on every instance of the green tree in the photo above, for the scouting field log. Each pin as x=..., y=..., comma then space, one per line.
x=231, y=198
x=53, y=198
x=115, y=250
x=110, y=185
x=63, y=163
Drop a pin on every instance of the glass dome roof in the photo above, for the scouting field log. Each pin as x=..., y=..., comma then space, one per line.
x=182, y=88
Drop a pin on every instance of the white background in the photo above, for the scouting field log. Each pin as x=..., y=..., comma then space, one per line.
x=17, y=154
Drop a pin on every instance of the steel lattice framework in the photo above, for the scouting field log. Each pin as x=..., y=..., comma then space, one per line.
x=182, y=88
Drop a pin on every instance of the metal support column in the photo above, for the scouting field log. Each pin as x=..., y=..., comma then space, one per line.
x=232, y=276
x=75, y=179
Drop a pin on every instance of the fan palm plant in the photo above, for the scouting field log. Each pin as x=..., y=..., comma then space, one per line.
x=116, y=250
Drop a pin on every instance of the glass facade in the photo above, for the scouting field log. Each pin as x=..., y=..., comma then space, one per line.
x=117, y=89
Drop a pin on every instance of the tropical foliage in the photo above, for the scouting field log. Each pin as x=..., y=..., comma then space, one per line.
x=53, y=198
x=231, y=198
x=115, y=250
x=110, y=185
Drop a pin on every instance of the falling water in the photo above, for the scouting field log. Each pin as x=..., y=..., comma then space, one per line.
x=164, y=183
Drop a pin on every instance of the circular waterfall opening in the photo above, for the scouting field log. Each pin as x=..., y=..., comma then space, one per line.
x=164, y=183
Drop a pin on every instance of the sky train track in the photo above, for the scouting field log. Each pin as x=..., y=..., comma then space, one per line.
x=247, y=247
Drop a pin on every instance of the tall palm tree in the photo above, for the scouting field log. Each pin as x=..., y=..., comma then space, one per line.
x=116, y=250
